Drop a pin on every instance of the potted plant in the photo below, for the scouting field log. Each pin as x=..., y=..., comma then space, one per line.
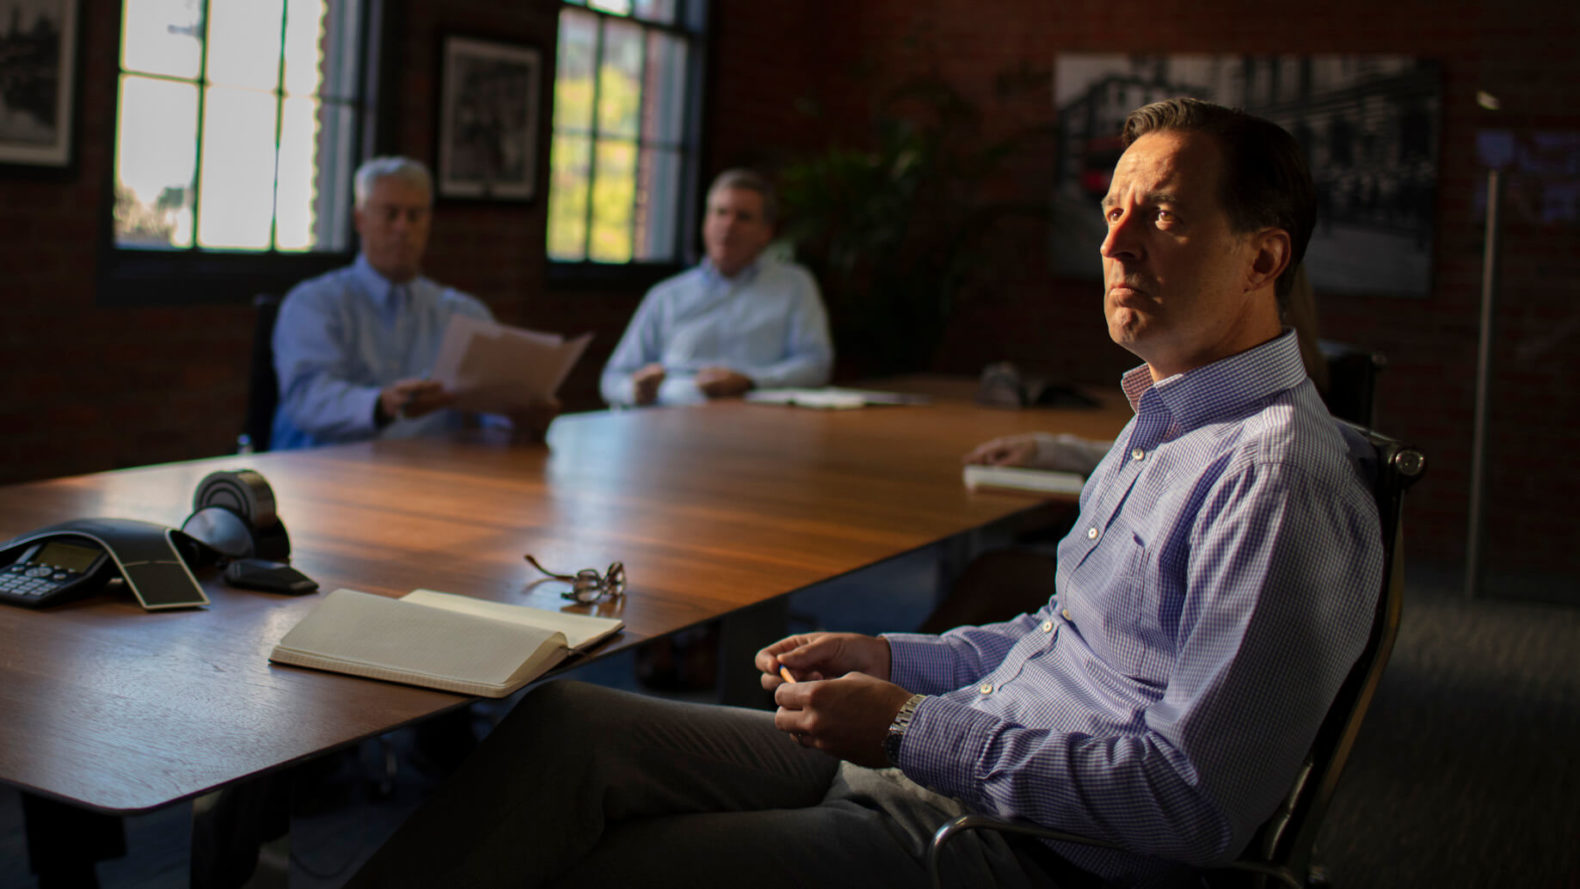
x=897, y=230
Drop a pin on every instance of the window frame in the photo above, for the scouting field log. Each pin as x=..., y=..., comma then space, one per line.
x=131, y=276
x=695, y=20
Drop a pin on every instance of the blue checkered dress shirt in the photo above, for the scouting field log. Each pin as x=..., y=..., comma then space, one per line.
x=1217, y=587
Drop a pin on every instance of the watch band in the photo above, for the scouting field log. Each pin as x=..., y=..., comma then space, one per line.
x=902, y=721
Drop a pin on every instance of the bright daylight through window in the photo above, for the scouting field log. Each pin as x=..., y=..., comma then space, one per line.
x=622, y=148
x=237, y=124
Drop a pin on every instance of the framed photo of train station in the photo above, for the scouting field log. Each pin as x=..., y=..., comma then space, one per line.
x=38, y=65
x=488, y=120
x=1370, y=126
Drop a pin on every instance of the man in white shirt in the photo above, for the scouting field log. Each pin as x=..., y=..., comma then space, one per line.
x=737, y=321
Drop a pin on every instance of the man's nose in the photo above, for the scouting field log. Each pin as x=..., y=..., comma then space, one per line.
x=1121, y=240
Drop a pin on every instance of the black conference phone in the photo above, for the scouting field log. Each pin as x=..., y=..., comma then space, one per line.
x=74, y=558
x=233, y=524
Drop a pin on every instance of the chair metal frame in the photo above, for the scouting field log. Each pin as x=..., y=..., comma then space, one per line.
x=1281, y=850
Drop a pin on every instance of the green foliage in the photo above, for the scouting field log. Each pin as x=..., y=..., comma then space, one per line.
x=141, y=225
x=897, y=232
x=577, y=155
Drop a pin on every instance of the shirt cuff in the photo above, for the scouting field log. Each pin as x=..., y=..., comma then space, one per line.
x=943, y=745
x=370, y=405
x=680, y=390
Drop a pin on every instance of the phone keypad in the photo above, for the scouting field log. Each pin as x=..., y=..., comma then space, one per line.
x=29, y=583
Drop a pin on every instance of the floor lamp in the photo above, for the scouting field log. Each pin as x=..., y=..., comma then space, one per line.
x=1478, y=442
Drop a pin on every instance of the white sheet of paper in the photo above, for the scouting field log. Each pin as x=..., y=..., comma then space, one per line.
x=497, y=368
x=832, y=397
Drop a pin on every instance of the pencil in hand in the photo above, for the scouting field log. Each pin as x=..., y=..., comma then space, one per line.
x=784, y=673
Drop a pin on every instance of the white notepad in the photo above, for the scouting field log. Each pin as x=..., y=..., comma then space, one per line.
x=1019, y=478
x=438, y=640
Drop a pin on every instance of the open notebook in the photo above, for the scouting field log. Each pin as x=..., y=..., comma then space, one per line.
x=438, y=640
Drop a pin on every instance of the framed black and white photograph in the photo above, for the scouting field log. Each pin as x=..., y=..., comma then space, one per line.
x=38, y=64
x=488, y=124
x=1370, y=126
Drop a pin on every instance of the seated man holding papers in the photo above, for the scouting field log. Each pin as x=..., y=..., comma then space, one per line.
x=1218, y=586
x=353, y=348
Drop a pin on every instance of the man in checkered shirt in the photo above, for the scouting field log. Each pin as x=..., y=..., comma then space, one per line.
x=1217, y=586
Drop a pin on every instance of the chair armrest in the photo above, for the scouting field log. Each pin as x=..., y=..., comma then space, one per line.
x=963, y=823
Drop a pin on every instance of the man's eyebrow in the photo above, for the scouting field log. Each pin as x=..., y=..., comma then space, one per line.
x=1156, y=197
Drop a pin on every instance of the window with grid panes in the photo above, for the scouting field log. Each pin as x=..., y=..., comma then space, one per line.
x=623, y=151
x=237, y=125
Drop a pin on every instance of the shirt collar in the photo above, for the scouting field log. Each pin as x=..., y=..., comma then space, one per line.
x=1224, y=386
x=711, y=273
x=376, y=285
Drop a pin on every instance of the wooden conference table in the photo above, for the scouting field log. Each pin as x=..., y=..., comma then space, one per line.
x=713, y=509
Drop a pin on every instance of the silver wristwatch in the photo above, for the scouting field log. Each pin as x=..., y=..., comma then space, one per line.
x=902, y=721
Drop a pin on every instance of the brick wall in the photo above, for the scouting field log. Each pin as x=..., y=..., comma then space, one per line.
x=1514, y=51
x=88, y=388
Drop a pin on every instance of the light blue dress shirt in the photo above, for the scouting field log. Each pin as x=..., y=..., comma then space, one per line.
x=767, y=322
x=344, y=336
x=1216, y=589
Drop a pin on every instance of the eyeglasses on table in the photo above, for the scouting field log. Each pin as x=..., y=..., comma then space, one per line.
x=587, y=585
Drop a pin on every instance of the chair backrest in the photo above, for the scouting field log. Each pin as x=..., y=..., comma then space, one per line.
x=1352, y=381
x=263, y=387
x=1287, y=838
x=1281, y=848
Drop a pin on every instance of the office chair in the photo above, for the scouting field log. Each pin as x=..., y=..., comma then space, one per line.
x=1281, y=850
x=1352, y=381
x=263, y=387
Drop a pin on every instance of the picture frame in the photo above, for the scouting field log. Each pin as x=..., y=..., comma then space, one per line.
x=488, y=119
x=1370, y=125
x=38, y=82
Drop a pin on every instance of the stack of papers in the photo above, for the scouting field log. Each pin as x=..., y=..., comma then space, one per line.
x=1018, y=478
x=496, y=368
x=832, y=397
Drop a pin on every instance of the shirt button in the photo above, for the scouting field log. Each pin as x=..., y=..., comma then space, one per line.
x=1137, y=454
x=1091, y=533
x=1066, y=613
x=986, y=688
x=1047, y=626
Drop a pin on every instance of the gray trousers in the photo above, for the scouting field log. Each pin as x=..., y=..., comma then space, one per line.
x=583, y=786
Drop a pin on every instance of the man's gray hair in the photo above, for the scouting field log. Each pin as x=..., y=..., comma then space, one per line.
x=390, y=167
x=741, y=177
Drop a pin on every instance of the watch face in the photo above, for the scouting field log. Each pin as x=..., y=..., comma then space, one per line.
x=891, y=746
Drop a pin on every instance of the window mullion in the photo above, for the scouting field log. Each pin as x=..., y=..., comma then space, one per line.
x=279, y=130
x=641, y=130
x=592, y=141
x=197, y=156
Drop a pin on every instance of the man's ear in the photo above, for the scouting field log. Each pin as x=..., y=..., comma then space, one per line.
x=1270, y=259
